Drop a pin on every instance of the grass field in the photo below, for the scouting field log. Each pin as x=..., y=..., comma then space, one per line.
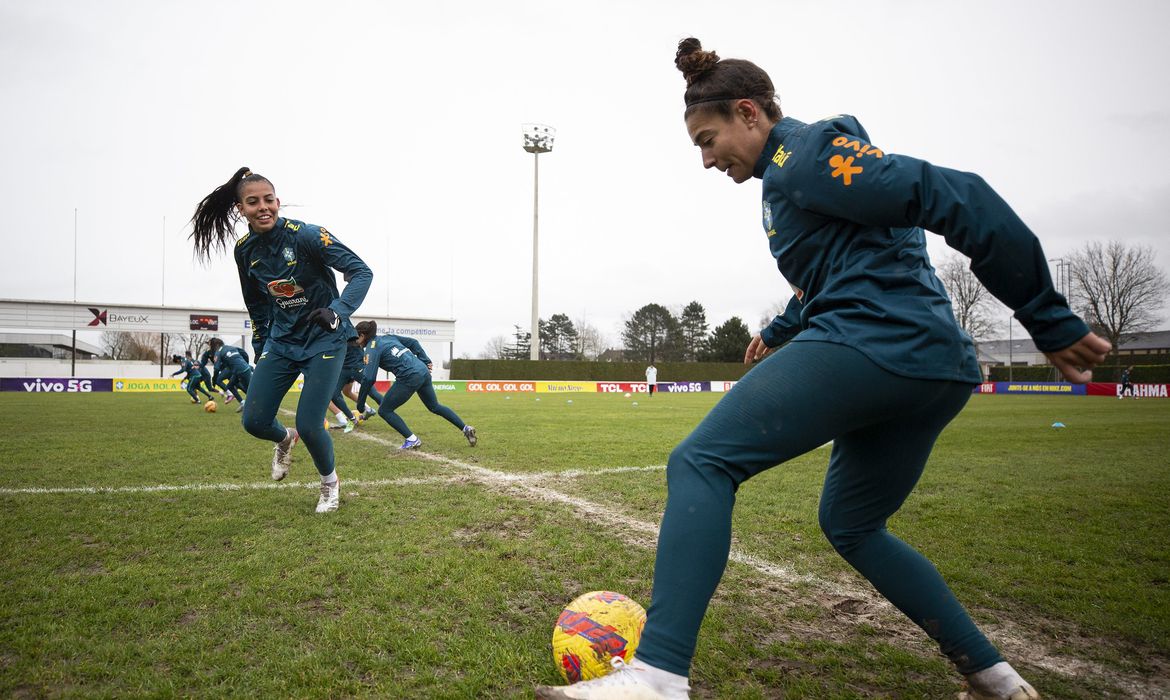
x=145, y=552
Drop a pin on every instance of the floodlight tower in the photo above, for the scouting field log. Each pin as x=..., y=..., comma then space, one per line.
x=538, y=139
x=1063, y=284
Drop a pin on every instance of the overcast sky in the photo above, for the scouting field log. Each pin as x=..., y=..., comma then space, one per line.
x=397, y=126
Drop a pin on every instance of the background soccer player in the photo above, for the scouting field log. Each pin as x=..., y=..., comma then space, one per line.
x=194, y=375
x=300, y=322
x=231, y=363
x=206, y=364
x=405, y=357
x=351, y=372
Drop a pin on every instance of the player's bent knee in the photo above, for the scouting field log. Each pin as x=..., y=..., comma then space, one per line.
x=844, y=540
x=683, y=466
x=254, y=425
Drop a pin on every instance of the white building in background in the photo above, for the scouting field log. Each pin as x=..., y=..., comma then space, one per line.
x=1017, y=352
x=50, y=318
x=51, y=346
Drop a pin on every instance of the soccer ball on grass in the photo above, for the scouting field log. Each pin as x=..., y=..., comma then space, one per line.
x=593, y=629
x=210, y=406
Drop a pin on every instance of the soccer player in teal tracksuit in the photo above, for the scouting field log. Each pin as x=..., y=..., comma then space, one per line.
x=408, y=361
x=231, y=363
x=871, y=359
x=300, y=323
x=210, y=381
x=194, y=375
x=351, y=371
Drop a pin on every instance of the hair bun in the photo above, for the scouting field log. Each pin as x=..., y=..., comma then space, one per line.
x=692, y=60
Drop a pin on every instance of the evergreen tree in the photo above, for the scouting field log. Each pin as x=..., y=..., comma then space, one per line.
x=558, y=338
x=652, y=334
x=728, y=342
x=693, y=324
x=521, y=346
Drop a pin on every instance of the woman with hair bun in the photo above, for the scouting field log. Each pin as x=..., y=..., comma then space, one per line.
x=300, y=324
x=866, y=354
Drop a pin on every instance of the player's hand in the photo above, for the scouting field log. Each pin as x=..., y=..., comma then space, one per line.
x=430, y=367
x=756, y=350
x=325, y=318
x=1077, y=361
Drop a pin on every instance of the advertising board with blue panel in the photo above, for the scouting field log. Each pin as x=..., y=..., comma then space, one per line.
x=83, y=385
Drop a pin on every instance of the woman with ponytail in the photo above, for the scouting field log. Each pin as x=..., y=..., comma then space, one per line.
x=866, y=354
x=300, y=324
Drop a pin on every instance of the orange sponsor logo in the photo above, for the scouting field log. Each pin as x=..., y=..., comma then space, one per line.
x=844, y=168
x=862, y=149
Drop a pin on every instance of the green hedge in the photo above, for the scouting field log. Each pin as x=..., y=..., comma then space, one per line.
x=595, y=371
x=1142, y=374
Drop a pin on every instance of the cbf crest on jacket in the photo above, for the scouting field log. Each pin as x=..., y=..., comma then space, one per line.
x=287, y=272
x=844, y=220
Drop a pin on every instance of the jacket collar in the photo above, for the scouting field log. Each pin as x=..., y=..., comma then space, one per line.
x=776, y=137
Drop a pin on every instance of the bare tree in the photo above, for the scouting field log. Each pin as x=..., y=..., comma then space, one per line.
x=127, y=345
x=1118, y=288
x=590, y=341
x=776, y=309
x=195, y=342
x=496, y=349
x=973, y=305
x=114, y=344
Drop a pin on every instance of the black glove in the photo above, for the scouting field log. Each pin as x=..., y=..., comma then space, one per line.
x=326, y=318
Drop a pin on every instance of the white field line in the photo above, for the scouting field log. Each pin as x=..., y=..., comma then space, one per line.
x=269, y=485
x=165, y=488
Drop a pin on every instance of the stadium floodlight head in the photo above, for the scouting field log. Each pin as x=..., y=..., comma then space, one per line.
x=538, y=138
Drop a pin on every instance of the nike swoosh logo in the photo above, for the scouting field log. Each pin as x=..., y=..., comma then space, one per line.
x=254, y=263
x=328, y=357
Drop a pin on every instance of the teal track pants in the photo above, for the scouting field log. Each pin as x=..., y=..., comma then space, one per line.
x=799, y=398
x=204, y=385
x=339, y=399
x=239, y=382
x=401, y=391
x=196, y=384
x=273, y=377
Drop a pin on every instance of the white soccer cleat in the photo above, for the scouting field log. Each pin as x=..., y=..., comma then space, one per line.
x=998, y=682
x=1024, y=692
x=469, y=433
x=626, y=682
x=330, y=497
x=282, y=454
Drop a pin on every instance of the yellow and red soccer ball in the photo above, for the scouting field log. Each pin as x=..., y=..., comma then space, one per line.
x=210, y=406
x=594, y=629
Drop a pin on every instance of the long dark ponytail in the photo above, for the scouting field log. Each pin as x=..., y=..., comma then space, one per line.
x=214, y=222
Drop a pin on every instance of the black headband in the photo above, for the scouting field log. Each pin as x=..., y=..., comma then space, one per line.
x=717, y=98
